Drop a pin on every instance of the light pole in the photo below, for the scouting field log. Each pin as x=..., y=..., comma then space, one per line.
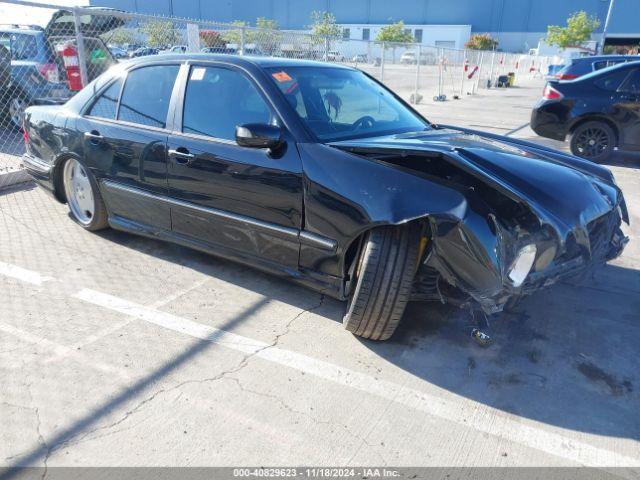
x=606, y=26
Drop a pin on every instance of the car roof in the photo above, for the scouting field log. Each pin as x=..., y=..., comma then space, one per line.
x=240, y=60
x=28, y=31
x=597, y=58
x=607, y=71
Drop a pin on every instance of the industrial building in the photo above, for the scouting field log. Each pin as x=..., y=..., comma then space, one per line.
x=518, y=25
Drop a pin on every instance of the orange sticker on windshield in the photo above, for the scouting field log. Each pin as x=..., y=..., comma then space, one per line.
x=281, y=77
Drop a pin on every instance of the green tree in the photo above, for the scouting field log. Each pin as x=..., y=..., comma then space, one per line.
x=579, y=28
x=235, y=35
x=395, y=32
x=160, y=33
x=266, y=36
x=324, y=25
x=481, y=41
x=324, y=30
x=120, y=36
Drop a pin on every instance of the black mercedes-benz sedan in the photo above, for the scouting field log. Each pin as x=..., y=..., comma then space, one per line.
x=320, y=174
x=598, y=112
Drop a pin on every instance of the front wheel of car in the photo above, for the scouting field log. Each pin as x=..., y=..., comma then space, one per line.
x=83, y=197
x=384, y=278
x=593, y=141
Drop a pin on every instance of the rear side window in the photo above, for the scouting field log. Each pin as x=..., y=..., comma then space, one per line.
x=612, y=82
x=106, y=104
x=605, y=64
x=146, y=95
x=632, y=83
x=22, y=46
x=217, y=100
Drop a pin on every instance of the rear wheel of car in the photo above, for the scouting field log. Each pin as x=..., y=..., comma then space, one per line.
x=384, y=278
x=16, y=106
x=593, y=141
x=83, y=197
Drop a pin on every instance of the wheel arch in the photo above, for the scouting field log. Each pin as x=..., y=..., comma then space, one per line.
x=596, y=118
x=56, y=175
x=353, y=249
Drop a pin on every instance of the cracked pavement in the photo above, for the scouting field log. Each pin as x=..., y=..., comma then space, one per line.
x=85, y=385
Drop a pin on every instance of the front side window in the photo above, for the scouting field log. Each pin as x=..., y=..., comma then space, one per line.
x=106, y=104
x=146, y=95
x=366, y=33
x=219, y=99
x=337, y=103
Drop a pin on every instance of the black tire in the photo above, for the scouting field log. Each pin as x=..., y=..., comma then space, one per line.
x=99, y=217
x=384, y=278
x=593, y=140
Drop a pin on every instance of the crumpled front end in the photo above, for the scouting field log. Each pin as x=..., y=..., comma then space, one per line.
x=478, y=264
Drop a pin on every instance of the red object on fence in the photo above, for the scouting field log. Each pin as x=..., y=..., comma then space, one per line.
x=72, y=66
x=466, y=64
x=473, y=72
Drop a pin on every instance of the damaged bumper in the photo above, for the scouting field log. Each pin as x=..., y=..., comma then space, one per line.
x=440, y=279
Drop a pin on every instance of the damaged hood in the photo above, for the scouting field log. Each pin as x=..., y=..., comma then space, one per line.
x=561, y=190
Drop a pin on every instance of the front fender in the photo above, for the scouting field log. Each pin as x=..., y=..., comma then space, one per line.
x=346, y=195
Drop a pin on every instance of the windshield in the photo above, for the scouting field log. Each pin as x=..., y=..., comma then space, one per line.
x=341, y=104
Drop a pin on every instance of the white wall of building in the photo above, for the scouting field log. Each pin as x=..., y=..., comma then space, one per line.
x=452, y=36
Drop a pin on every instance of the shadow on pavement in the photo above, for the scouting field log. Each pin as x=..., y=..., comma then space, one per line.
x=566, y=356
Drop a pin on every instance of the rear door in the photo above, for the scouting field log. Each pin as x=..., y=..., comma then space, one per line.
x=243, y=199
x=125, y=140
x=628, y=110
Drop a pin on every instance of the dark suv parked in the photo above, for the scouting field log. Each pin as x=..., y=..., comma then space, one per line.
x=581, y=66
x=599, y=111
x=34, y=72
x=37, y=72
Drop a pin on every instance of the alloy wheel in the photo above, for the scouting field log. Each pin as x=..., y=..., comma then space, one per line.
x=17, y=106
x=79, y=191
x=592, y=142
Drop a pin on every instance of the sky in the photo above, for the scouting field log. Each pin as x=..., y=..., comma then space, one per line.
x=33, y=15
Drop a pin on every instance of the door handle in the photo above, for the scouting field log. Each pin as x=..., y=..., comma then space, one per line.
x=182, y=157
x=93, y=136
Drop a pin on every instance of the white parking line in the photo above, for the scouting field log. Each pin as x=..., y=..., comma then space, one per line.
x=463, y=412
x=458, y=410
x=23, y=274
x=63, y=351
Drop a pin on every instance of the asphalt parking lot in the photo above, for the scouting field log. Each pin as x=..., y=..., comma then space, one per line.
x=123, y=351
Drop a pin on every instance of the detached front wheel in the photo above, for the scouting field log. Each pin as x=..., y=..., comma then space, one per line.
x=384, y=278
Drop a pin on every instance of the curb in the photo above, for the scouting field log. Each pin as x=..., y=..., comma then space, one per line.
x=14, y=177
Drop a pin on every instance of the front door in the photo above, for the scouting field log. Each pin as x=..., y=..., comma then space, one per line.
x=126, y=142
x=244, y=200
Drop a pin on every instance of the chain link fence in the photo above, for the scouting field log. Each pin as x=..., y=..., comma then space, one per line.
x=47, y=65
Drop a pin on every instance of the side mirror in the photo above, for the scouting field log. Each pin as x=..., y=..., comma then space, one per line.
x=259, y=135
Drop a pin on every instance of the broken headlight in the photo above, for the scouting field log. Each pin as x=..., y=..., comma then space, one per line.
x=522, y=264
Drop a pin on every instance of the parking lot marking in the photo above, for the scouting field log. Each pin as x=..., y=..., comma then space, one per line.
x=462, y=412
x=23, y=274
x=63, y=351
